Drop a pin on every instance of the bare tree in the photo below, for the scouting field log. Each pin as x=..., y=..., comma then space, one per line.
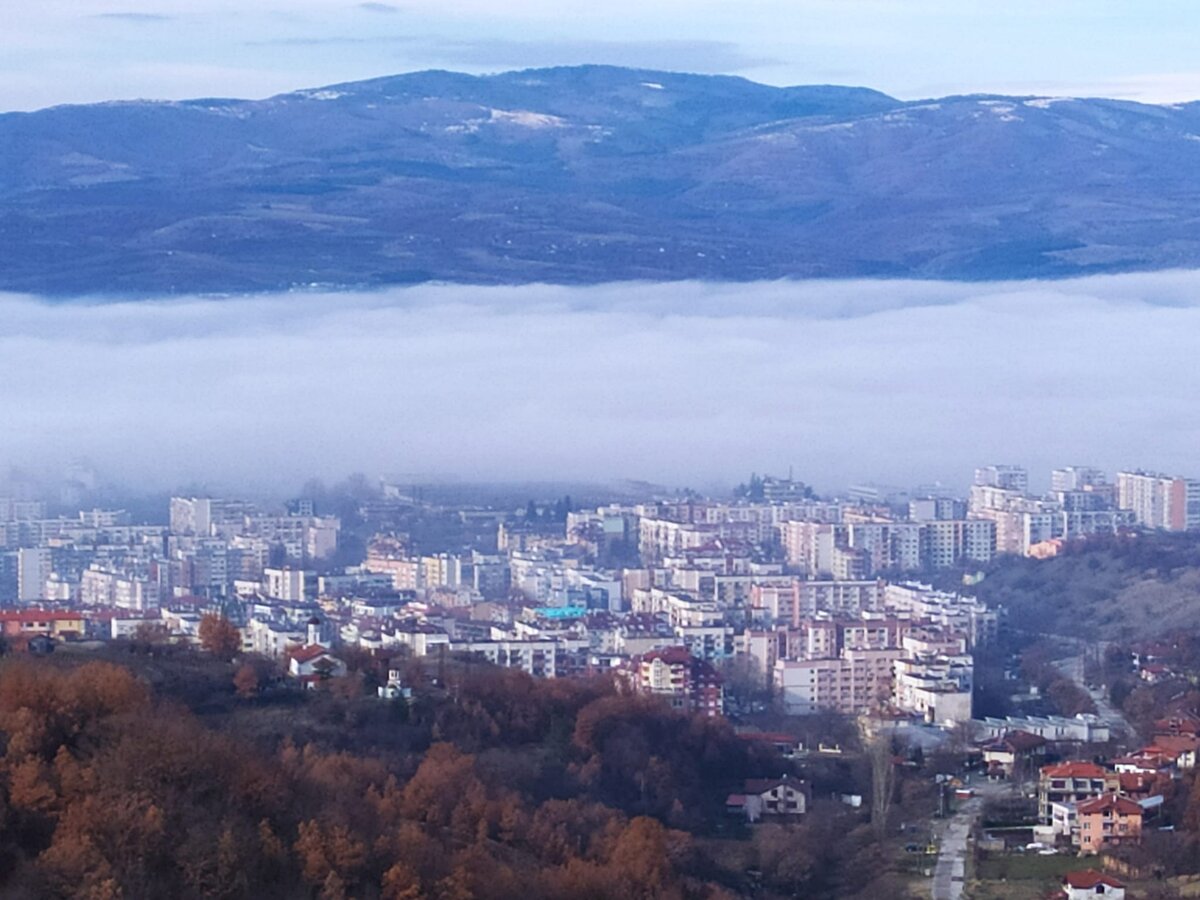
x=883, y=781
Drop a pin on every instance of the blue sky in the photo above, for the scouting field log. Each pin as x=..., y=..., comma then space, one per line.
x=58, y=51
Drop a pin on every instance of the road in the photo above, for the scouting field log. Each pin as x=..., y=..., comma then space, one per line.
x=949, y=874
x=1073, y=668
x=952, y=854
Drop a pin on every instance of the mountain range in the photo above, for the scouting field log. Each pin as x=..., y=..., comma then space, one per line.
x=588, y=174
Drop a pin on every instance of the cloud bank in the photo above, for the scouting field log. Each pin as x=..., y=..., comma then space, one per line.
x=686, y=384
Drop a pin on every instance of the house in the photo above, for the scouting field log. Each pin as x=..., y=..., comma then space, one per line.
x=1107, y=821
x=1147, y=761
x=1017, y=751
x=1189, y=725
x=1178, y=749
x=783, y=797
x=27, y=622
x=1064, y=820
x=1072, y=781
x=312, y=664
x=1092, y=884
x=1154, y=673
x=1136, y=785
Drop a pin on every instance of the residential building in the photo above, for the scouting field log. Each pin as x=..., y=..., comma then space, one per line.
x=284, y=584
x=1005, y=477
x=688, y=683
x=313, y=664
x=33, y=569
x=1017, y=752
x=783, y=798
x=854, y=683
x=1072, y=781
x=1083, y=728
x=1160, y=501
x=1107, y=821
x=1077, y=478
x=1090, y=884
x=934, y=686
x=28, y=622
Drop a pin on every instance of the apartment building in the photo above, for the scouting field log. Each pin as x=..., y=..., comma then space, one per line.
x=1072, y=782
x=1160, y=501
x=688, y=683
x=855, y=683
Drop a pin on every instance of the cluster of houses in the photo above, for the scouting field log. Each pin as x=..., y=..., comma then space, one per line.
x=1090, y=807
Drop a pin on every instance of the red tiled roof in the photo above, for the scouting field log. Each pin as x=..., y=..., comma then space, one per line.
x=40, y=615
x=1090, y=878
x=1135, y=782
x=309, y=653
x=1147, y=758
x=671, y=655
x=1178, y=725
x=1074, y=769
x=1174, y=744
x=1118, y=804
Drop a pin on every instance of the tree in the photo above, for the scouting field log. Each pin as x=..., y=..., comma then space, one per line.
x=883, y=781
x=219, y=636
x=245, y=681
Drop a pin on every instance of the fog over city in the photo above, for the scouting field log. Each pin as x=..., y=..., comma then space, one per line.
x=683, y=384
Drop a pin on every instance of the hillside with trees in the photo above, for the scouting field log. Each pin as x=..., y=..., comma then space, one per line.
x=1118, y=588
x=183, y=775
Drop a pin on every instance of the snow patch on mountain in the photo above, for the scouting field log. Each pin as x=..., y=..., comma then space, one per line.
x=526, y=118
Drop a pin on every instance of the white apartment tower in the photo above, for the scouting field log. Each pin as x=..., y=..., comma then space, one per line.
x=1009, y=478
x=33, y=568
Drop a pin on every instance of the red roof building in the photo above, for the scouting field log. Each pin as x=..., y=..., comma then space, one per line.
x=689, y=683
x=1072, y=782
x=28, y=622
x=1090, y=883
x=1108, y=820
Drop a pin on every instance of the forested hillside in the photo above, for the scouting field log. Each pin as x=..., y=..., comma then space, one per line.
x=493, y=785
x=1120, y=588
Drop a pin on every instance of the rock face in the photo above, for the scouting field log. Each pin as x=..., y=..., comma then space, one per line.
x=588, y=174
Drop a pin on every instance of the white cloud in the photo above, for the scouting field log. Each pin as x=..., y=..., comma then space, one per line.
x=684, y=383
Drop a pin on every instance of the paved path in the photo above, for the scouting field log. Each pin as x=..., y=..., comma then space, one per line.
x=950, y=872
x=952, y=855
x=1073, y=668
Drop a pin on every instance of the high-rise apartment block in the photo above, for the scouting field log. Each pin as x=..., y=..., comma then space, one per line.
x=1160, y=501
x=1008, y=478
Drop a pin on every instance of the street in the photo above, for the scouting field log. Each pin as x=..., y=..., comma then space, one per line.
x=1073, y=667
x=952, y=854
x=950, y=871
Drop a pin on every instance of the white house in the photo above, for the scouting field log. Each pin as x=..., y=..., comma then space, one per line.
x=1090, y=884
x=784, y=797
x=313, y=663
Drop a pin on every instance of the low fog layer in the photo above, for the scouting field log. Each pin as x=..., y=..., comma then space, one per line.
x=898, y=382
